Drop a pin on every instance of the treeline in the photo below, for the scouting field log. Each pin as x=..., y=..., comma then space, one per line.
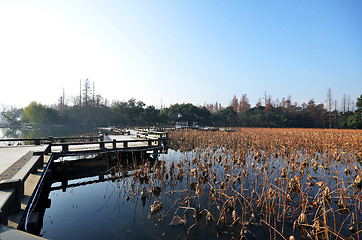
x=311, y=115
x=124, y=113
x=90, y=110
x=136, y=113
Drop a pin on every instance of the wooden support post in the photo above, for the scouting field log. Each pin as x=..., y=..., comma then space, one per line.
x=65, y=148
x=64, y=184
x=155, y=154
x=114, y=143
x=125, y=144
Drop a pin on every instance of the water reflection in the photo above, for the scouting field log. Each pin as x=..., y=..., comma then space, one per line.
x=55, y=131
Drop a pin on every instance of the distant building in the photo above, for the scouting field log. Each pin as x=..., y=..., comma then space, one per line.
x=187, y=120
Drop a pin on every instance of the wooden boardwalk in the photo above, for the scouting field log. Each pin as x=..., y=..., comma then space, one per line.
x=17, y=190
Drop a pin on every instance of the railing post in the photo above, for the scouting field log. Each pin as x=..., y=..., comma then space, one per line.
x=149, y=142
x=50, y=139
x=101, y=141
x=114, y=143
x=125, y=144
x=36, y=141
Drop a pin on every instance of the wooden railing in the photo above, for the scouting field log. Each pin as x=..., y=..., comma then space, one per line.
x=102, y=144
x=152, y=138
x=146, y=132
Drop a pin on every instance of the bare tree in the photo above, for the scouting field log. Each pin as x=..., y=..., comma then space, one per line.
x=348, y=102
x=93, y=99
x=335, y=113
x=329, y=104
x=265, y=98
x=80, y=92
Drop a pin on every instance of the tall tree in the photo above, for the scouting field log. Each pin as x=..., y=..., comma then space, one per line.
x=235, y=104
x=37, y=113
x=87, y=92
x=244, y=103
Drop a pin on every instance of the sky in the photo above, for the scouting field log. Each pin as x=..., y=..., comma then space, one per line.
x=180, y=51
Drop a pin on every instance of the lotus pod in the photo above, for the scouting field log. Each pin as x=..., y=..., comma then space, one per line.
x=177, y=220
x=320, y=184
x=252, y=217
x=283, y=173
x=358, y=181
x=341, y=202
x=208, y=218
x=302, y=219
x=198, y=190
x=143, y=193
x=156, y=206
x=327, y=192
x=234, y=215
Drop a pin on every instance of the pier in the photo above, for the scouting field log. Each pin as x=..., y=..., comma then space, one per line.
x=22, y=166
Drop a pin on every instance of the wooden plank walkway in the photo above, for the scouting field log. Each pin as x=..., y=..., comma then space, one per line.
x=110, y=143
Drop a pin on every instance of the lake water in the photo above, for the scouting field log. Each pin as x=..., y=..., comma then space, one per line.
x=93, y=207
x=100, y=197
x=45, y=132
x=60, y=131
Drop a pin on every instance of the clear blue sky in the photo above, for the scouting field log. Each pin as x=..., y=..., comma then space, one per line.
x=180, y=51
